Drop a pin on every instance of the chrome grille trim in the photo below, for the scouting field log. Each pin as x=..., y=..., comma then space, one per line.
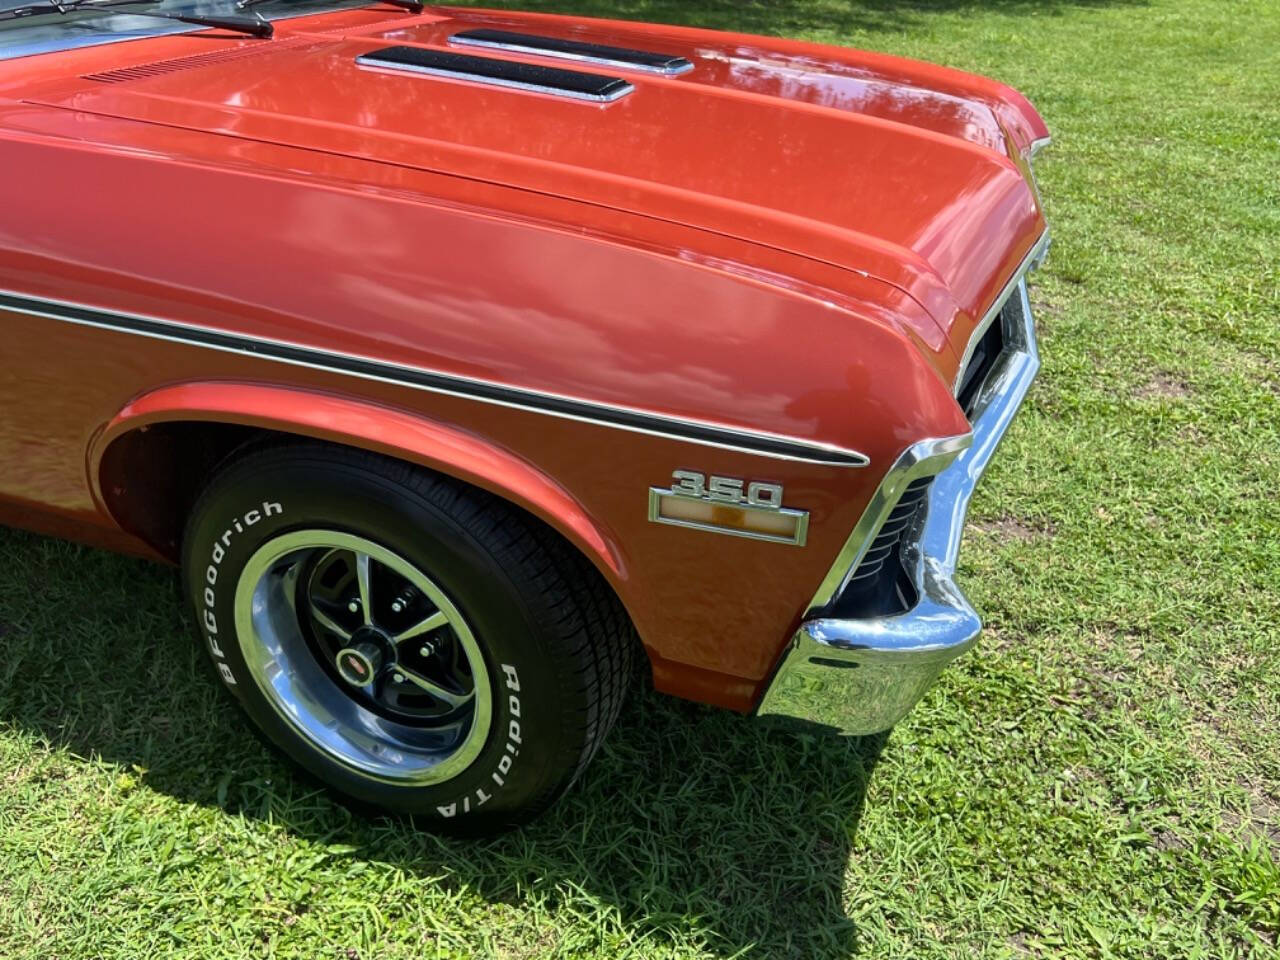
x=924, y=459
x=889, y=538
x=932, y=457
x=863, y=675
x=1030, y=262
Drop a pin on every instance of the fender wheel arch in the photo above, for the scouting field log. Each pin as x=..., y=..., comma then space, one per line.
x=150, y=477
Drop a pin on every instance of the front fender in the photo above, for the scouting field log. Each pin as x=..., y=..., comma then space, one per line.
x=369, y=426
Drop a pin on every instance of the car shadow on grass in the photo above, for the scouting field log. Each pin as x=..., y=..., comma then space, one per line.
x=694, y=825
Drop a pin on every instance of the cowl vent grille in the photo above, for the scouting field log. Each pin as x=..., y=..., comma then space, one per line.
x=144, y=71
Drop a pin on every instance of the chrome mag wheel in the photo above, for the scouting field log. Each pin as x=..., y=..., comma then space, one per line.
x=364, y=656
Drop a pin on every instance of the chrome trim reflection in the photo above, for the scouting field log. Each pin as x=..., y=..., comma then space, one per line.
x=1032, y=261
x=924, y=459
x=863, y=675
x=673, y=70
x=369, y=63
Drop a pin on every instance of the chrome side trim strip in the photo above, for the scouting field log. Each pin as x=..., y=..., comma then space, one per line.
x=595, y=54
x=570, y=408
x=1030, y=262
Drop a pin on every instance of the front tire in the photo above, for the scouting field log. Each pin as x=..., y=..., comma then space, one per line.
x=419, y=645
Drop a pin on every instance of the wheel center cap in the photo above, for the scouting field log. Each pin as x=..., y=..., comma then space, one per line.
x=359, y=663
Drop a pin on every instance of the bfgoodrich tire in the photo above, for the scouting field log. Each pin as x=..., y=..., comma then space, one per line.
x=418, y=645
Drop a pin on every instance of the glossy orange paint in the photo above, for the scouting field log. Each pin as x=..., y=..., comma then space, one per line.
x=383, y=429
x=790, y=239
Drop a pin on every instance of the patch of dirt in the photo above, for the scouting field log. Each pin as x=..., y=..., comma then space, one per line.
x=1191, y=435
x=1262, y=819
x=1164, y=386
x=1047, y=316
x=1045, y=307
x=1166, y=840
x=1012, y=528
x=1263, y=369
x=1019, y=943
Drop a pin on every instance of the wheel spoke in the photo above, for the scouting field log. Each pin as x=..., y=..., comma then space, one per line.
x=433, y=622
x=435, y=689
x=363, y=563
x=328, y=622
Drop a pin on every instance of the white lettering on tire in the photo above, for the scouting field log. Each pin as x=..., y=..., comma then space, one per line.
x=209, y=618
x=506, y=761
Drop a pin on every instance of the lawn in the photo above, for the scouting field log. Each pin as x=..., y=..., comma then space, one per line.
x=1100, y=779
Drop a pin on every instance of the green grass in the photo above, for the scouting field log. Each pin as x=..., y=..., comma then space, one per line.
x=1100, y=779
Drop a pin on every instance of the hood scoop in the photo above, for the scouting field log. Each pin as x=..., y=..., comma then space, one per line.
x=160, y=67
x=621, y=58
x=592, y=87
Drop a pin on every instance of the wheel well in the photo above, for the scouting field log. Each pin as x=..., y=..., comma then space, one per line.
x=151, y=478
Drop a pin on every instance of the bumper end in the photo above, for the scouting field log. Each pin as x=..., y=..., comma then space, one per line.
x=862, y=676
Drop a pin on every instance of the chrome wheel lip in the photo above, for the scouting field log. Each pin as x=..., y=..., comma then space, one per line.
x=303, y=694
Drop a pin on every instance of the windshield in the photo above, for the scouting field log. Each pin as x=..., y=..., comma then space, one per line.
x=47, y=33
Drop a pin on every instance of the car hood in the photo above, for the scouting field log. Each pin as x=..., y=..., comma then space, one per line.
x=911, y=174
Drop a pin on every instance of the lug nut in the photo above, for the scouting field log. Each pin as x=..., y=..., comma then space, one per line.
x=401, y=603
x=427, y=650
x=398, y=678
x=354, y=606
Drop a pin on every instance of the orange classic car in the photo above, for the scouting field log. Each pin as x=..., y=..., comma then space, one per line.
x=468, y=362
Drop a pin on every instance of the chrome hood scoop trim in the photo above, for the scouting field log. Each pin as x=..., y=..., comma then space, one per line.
x=511, y=74
x=596, y=54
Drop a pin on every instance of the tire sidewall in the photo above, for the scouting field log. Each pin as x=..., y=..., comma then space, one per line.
x=248, y=507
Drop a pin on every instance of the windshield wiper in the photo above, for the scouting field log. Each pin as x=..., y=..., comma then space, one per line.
x=254, y=26
x=413, y=6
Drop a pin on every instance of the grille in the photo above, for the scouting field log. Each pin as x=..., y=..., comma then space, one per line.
x=985, y=353
x=161, y=67
x=880, y=584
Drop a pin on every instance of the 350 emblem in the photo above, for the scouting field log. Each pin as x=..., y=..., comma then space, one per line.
x=739, y=508
x=686, y=483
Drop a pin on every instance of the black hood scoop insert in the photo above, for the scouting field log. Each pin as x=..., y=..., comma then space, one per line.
x=591, y=87
x=621, y=58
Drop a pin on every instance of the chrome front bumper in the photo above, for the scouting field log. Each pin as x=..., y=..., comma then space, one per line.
x=863, y=676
